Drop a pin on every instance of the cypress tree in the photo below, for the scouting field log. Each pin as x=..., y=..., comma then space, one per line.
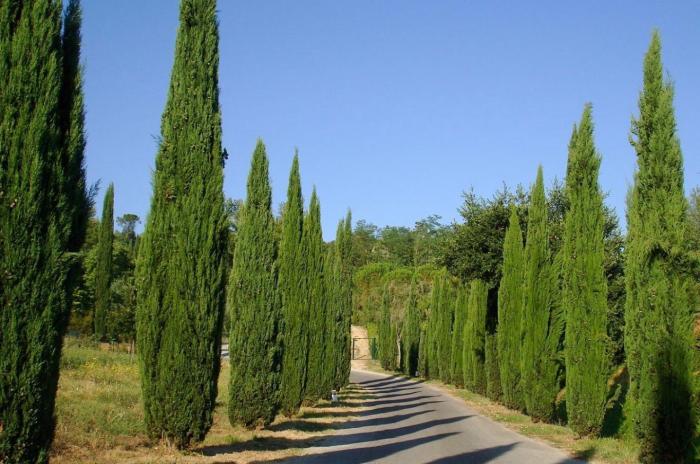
x=387, y=333
x=584, y=292
x=475, y=338
x=446, y=316
x=253, y=305
x=510, y=312
x=293, y=297
x=411, y=332
x=330, y=278
x=103, y=270
x=493, y=375
x=542, y=322
x=181, y=269
x=343, y=301
x=313, y=254
x=457, y=356
x=658, y=337
x=43, y=207
x=433, y=335
x=422, y=354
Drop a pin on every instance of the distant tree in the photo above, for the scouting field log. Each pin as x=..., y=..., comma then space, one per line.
x=398, y=244
x=254, y=341
x=475, y=338
x=364, y=240
x=584, y=286
x=181, y=268
x=428, y=235
x=543, y=321
x=658, y=330
x=103, y=274
x=510, y=313
x=293, y=294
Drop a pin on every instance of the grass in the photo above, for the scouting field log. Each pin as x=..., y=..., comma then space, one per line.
x=100, y=418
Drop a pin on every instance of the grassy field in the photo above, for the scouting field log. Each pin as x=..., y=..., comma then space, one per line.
x=100, y=418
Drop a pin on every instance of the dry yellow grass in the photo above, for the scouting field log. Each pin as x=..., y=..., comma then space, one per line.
x=100, y=419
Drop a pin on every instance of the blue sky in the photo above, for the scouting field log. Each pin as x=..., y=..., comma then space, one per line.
x=396, y=106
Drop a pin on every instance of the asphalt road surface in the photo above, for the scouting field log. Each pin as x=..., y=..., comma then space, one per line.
x=409, y=422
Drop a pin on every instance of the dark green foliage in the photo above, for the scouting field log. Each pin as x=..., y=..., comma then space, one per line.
x=103, y=271
x=446, y=307
x=330, y=279
x=313, y=254
x=510, y=312
x=43, y=214
x=293, y=297
x=475, y=338
x=457, y=355
x=658, y=338
x=388, y=352
x=254, y=341
x=432, y=339
x=543, y=321
x=181, y=269
x=493, y=375
x=584, y=295
x=410, y=334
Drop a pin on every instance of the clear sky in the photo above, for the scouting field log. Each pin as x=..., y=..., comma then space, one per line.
x=396, y=106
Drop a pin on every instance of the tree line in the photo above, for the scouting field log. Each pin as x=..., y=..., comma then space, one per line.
x=548, y=309
x=203, y=266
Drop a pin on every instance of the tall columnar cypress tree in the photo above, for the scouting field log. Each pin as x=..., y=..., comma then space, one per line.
x=411, y=332
x=457, y=355
x=444, y=349
x=253, y=305
x=475, y=338
x=103, y=269
x=493, y=375
x=510, y=313
x=584, y=289
x=344, y=300
x=330, y=279
x=433, y=336
x=293, y=297
x=387, y=339
x=181, y=270
x=658, y=338
x=43, y=207
x=313, y=254
x=542, y=322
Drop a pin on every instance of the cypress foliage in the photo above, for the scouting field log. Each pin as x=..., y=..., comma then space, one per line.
x=658, y=338
x=181, y=270
x=293, y=297
x=446, y=316
x=422, y=354
x=542, y=322
x=330, y=279
x=254, y=342
x=43, y=207
x=457, y=356
x=475, y=338
x=433, y=335
x=411, y=332
x=584, y=292
x=510, y=312
x=493, y=375
x=344, y=301
x=313, y=254
x=387, y=334
x=103, y=270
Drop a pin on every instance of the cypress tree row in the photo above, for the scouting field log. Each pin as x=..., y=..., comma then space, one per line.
x=313, y=254
x=658, y=337
x=411, y=332
x=253, y=305
x=460, y=319
x=103, y=269
x=542, y=322
x=510, y=312
x=475, y=338
x=293, y=297
x=43, y=211
x=181, y=270
x=584, y=292
x=387, y=334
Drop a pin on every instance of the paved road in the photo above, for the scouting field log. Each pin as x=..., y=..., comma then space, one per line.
x=408, y=422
